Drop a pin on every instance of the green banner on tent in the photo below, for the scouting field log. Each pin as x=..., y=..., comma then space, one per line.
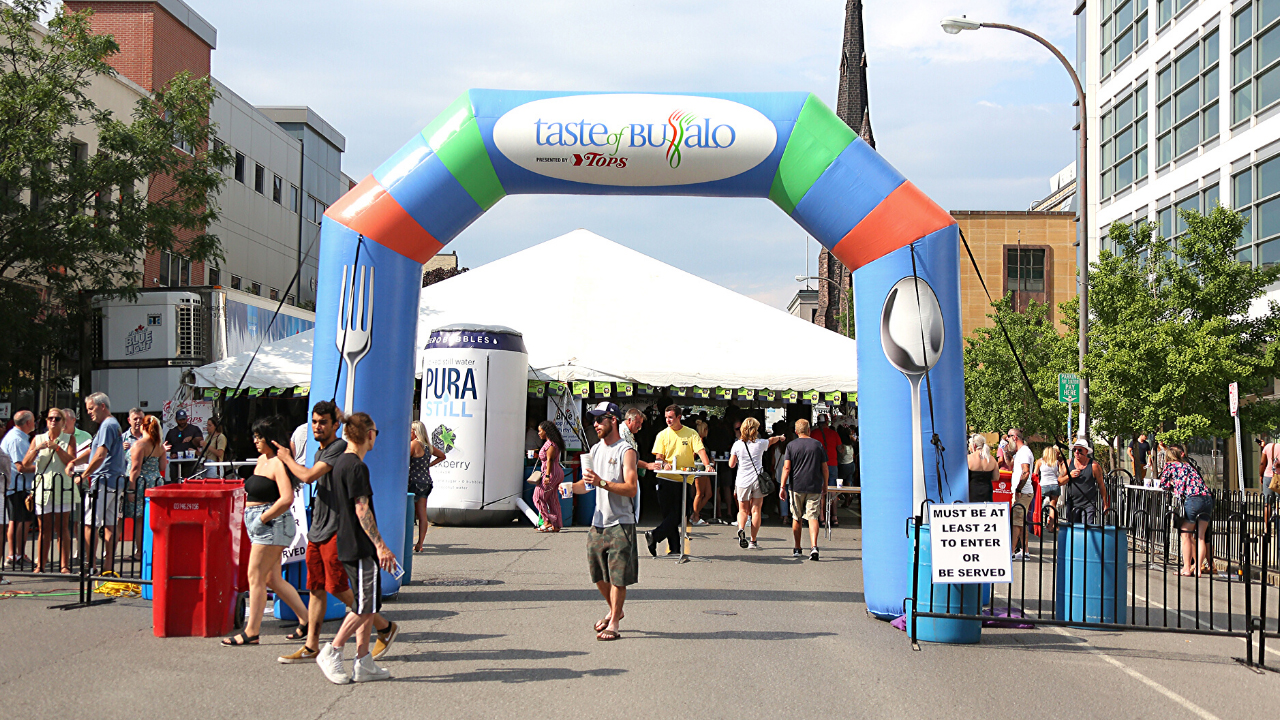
x=557, y=388
x=301, y=390
x=724, y=393
x=537, y=388
x=832, y=397
x=209, y=393
x=255, y=392
x=275, y=392
x=646, y=389
x=624, y=389
x=581, y=388
x=766, y=395
x=790, y=396
x=851, y=397
x=677, y=391
x=809, y=397
x=744, y=394
x=601, y=389
x=700, y=393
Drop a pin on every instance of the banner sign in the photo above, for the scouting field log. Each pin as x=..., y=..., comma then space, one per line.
x=766, y=395
x=209, y=393
x=255, y=392
x=581, y=388
x=565, y=410
x=724, y=393
x=744, y=394
x=791, y=396
x=809, y=397
x=556, y=388
x=537, y=388
x=624, y=389
x=970, y=542
x=832, y=397
x=700, y=393
x=601, y=389
x=643, y=389
x=677, y=391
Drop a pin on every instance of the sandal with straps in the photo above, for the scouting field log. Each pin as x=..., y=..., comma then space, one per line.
x=299, y=633
x=240, y=640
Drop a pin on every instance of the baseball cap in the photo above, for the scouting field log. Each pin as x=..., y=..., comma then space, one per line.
x=180, y=415
x=605, y=408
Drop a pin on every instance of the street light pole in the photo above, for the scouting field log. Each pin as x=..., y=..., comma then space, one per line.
x=953, y=25
x=802, y=278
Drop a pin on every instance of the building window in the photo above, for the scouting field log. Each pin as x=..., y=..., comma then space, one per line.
x=1169, y=8
x=1255, y=59
x=175, y=271
x=277, y=189
x=259, y=179
x=1124, y=28
x=291, y=300
x=239, y=167
x=273, y=293
x=1187, y=97
x=310, y=209
x=1257, y=197
x=1124, y=150
x=1024, y=274
x=235, y=282
x=215, y=276
x=293, y=198
x=255, y=288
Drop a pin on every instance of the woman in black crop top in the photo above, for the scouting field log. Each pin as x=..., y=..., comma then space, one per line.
x=267, y=517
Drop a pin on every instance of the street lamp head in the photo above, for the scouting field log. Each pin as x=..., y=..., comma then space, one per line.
x=801, y=278
x=953, y=25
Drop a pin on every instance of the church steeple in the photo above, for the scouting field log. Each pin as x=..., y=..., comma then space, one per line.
x=853, y=107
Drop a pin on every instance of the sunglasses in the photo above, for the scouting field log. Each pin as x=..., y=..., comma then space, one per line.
x=601, y=418
x=54, y=418
x=1081, y=450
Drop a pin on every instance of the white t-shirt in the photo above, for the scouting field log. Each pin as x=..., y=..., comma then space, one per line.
x=747, y=464
x=299, y=442
x=1024, y=457
x=611, y=508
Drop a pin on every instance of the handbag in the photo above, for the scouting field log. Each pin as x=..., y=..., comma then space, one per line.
x=535, y=477
x=763, y=479
x=30, y=502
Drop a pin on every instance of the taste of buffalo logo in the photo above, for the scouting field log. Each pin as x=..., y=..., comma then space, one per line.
x=137, y=341
x=680, y=132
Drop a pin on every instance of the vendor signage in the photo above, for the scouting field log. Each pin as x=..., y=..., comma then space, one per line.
x=767, y=395
x=677, y=391
x=624, y=389
x=565, y=410
x=791, y=396
x=209, y=393
x=970, y=543
x=724, y=393
x=809, y=397
x=557, y=388
x=537, y=388
x=700, y=393
x=744, y=394
x=255, y=392
x=301, y=390
x=601, y=389
x=831, y=397
x=581, y=388
x=645, y=389
x=635, y=140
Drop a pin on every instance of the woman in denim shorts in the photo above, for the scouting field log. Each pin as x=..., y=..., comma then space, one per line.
x=267, y=517
x=1180, y=478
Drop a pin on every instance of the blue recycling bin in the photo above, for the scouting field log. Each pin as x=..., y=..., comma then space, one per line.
x=410, y=537
x=1092, y=574
x=566, y=504
x=965, y=599
x=584, y=508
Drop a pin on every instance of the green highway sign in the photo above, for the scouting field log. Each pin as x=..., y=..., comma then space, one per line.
x=1068, y=388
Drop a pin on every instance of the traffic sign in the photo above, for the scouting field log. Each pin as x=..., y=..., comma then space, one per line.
x=1068, y=388
x=1233, y=393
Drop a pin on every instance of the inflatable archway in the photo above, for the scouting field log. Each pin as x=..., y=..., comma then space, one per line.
x=788, y=147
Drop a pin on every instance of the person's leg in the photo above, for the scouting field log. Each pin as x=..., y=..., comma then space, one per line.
x=62, y=528
x=420, y=511
x=259, y=566
x=617, y=596
x=795, y=529
x=283, y=590
x=744, y=510
x=813, y=533
x=700, y=498
x=1202, y=534
x=348, y=598
x=1188, y=533
x=756, y=505
x=45, y=524
x=363, y=631
x=349, y=625
x=110, y=515
x=669, y=501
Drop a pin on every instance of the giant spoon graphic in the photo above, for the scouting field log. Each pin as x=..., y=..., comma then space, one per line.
x=911, y=334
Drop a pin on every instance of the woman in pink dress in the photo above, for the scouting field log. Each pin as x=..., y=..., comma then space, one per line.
x=546, y=497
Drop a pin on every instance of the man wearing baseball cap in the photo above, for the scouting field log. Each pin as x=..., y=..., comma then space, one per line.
x=184, y=436
x=612, y=551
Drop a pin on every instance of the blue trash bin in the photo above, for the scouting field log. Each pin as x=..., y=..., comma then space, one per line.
x=584, y=508
x=410, y=537
x=957, y=598
x=1092, y=569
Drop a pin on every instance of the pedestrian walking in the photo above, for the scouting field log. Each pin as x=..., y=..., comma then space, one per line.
x=804, y=471
x=54, y=492
x=984, y=471
x=1023, y=489
x=1082, y=486
x=105, y=473
x=326, y=575
x=1181, y=478
x=422, y=455
x=546, y=496
x=1050, y=468
x=1139, y=452
x=17, y=487
x=612, y=549
x=362, y=552
x=268, y=517
x=676, y=445
x=747, y=457
x=148, y=465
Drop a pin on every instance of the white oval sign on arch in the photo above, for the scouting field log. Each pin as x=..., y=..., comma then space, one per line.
x=635, y=140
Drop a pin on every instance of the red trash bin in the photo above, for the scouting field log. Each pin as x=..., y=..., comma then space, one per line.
x=198, y=533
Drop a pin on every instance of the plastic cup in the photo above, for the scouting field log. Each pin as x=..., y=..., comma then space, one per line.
x=566, y=489
x=839, y=482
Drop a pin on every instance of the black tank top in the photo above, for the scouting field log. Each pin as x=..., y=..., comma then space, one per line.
x=1081, y=490
x=980, y=486
x=261, y=489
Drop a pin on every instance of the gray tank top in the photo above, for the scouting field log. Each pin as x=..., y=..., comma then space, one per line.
x=611, y=508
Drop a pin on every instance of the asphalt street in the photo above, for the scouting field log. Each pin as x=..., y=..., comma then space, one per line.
x=498, y=623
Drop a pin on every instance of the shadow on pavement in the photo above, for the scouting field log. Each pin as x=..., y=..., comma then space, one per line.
x=517, y=675
x=728, y=635
x=1055, y=643
x=481, y=595
x=489, y=655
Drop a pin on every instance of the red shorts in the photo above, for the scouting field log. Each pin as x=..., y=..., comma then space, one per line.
x=325, y=571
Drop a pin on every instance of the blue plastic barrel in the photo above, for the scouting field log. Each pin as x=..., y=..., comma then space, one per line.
x=949, y=598
x=1092, y=571
x=410, y=538
x=146, y=548
x=566, y=503
x=584, y=508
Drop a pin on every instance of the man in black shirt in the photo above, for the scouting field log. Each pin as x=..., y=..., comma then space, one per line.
x=362, y=552
x=805, y=465
x=1139, y=449
x=325, y=573
x=184, y=436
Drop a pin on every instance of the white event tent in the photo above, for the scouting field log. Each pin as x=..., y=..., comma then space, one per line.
x=591, y=309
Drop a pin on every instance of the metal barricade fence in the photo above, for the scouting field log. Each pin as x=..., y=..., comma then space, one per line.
x=1127, y=574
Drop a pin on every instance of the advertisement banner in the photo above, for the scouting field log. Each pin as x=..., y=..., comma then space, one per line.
x=624, y=389
x=601, y=389
x=581, y=388
x=453, y=409
x=744, y=394
x=556, y=388
x=699, y=393
x=791, y=396
x=565, y=410
x=809, y=397
x=537, y=388
x=678, y=391
x=724, y=393
x=297, y=550
x=766, y=395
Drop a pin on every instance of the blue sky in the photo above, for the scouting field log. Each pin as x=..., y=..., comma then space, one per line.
x=979, y=121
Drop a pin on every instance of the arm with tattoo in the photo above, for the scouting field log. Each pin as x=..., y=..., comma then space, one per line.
x=367, y=521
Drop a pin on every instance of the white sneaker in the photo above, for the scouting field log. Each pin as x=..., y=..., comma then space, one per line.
x=753, y=545
x=700, y=523
x=330, y=662
x=368, y=671
x=1019, y=555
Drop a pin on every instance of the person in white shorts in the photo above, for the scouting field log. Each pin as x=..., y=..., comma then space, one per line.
x=105, y=476
x=747, y=456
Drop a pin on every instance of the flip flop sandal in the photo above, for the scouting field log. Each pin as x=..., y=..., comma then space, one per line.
x=607, y=635
x=239, y=640
x=600, y=626
x=299, y=633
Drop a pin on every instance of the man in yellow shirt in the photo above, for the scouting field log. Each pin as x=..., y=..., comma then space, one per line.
x=677, y=445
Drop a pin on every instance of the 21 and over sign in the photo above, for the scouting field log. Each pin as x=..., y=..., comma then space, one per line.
x=970, y=543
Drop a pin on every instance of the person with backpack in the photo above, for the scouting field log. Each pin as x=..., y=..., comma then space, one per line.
x=747, y=456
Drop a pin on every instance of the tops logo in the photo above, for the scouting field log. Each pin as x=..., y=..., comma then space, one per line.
x=635, y=140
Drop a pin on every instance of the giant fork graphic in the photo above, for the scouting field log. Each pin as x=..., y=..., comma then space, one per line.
x=355, y=325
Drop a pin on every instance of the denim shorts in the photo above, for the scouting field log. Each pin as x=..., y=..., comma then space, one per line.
x=1197, y=507
x=278, y=531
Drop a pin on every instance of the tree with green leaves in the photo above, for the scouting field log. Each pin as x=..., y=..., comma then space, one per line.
x=73, y=224
x=996, y=394
x=1173, y=323
x=847, y=321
